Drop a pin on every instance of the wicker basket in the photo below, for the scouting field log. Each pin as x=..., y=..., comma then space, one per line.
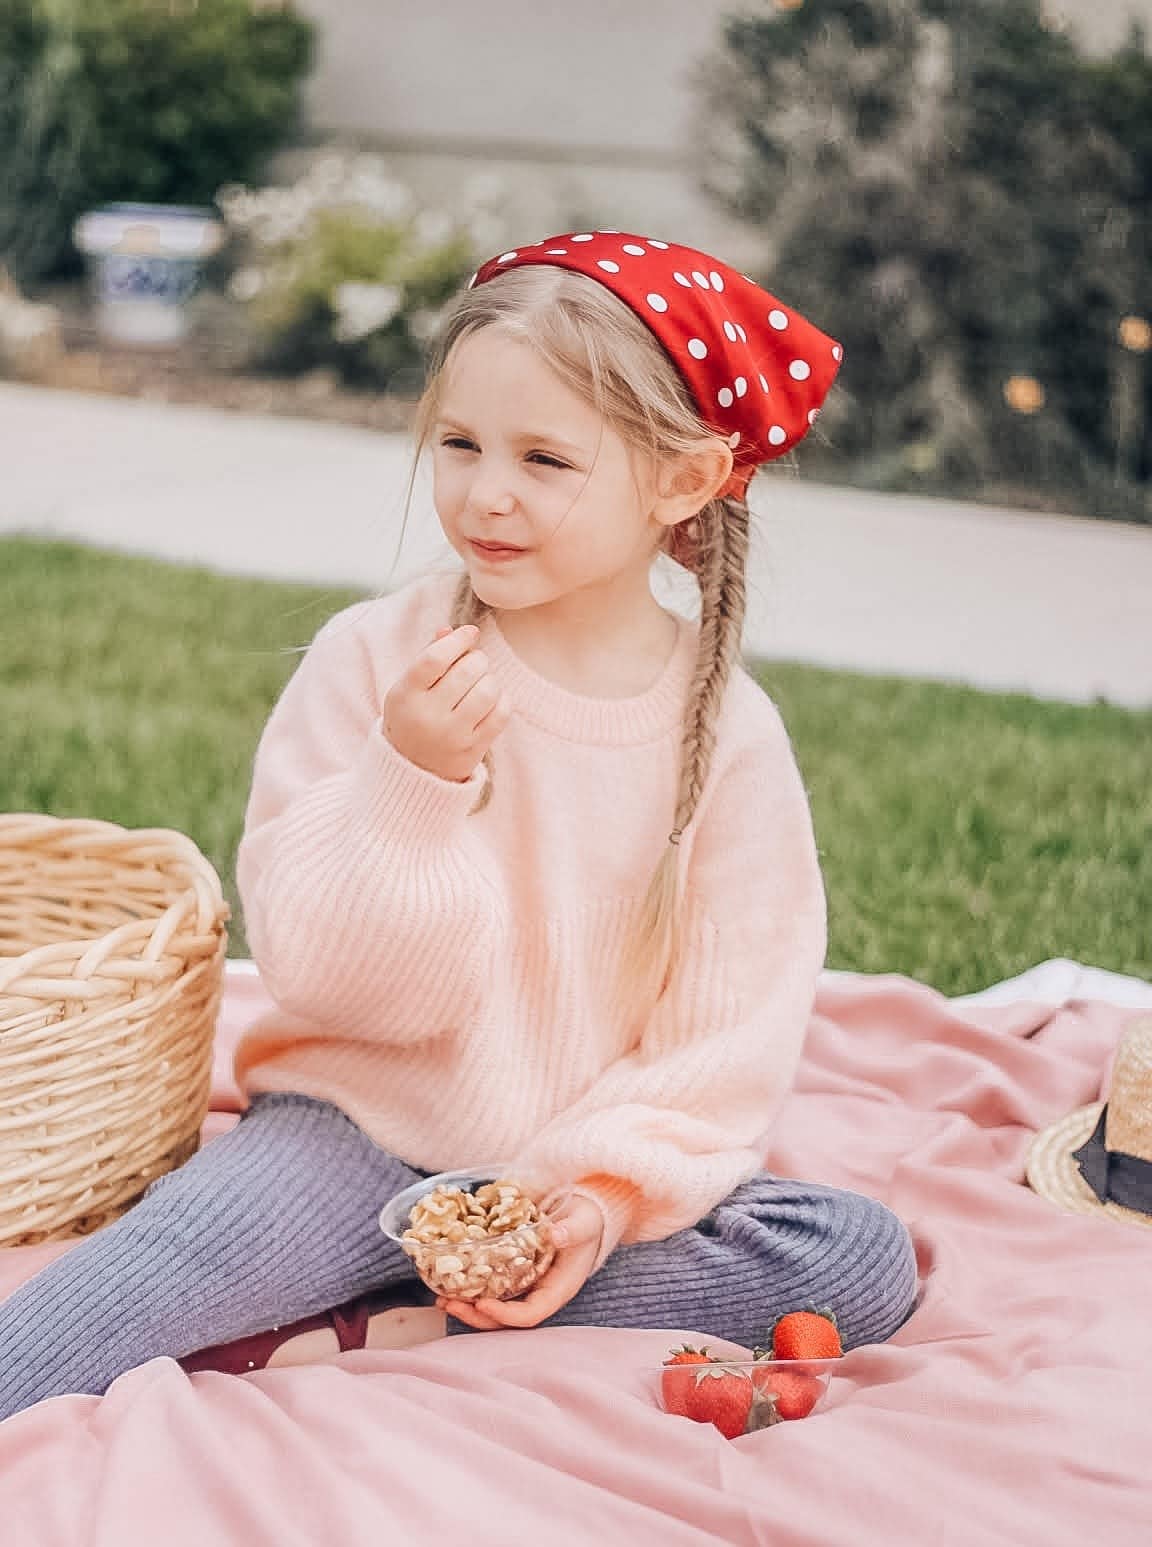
x=112, y=950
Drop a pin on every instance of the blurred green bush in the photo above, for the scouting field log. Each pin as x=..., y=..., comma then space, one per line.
x=961, y=195
x=345, y=269
x=157, y=101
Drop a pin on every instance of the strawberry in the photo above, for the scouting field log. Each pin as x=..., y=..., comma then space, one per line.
x=721, y=1396
x=783, y=1394
x=676, y=1381
x=698, y=1386
x=806, y=1335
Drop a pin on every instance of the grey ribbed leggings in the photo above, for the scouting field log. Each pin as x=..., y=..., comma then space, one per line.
x=277, y=1219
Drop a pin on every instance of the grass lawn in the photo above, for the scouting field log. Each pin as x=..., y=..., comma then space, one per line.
x=964, y=835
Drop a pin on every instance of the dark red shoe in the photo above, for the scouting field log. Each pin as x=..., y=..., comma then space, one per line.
x=349, y=1321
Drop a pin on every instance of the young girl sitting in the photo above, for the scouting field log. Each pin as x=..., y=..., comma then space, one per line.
x=529, y=871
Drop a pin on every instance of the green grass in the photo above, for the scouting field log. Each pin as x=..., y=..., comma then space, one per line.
x=964, y=835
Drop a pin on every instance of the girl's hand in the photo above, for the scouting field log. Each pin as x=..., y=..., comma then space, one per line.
x=447, y=709
x=578, y=1228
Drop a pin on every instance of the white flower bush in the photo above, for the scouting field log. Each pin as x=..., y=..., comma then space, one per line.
x=361, y=309
x=346, y=267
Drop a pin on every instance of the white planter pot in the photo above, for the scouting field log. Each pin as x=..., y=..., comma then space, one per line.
x=144, y=263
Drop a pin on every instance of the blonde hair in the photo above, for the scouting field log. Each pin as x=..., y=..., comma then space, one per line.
x=599, y=347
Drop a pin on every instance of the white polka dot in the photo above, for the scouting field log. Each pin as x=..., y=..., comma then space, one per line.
x=680, y=280
x=837, y=352
x=584, y=238
x=777, y=435
x=724, y=397
x=558, y=249
x=778, y=319
x=799, y=370
x=661, y=245
x=741, y=386
x=734, y=439
x=507, y=257
x=657, y=303
x=730, y=331
x=697, y=348
x=764, y=384
x=701, y=279
x=717, y=282
x=637, y=252
x=743, y=335
x=606, y=263
x=812, y=414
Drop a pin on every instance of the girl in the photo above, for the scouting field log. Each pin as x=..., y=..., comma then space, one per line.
x=484, y=936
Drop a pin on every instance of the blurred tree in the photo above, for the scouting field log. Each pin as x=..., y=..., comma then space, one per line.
x=38, y=161
x=961, y=197
x=148, y=100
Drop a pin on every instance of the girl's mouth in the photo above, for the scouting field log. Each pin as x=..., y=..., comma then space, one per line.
x=495, y=553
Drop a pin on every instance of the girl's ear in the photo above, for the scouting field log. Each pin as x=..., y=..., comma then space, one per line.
x=689, y=479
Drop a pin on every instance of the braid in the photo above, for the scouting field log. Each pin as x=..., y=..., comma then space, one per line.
x=715, y=549
x=722, y=554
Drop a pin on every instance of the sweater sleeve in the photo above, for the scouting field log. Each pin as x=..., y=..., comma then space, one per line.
x=360, y=904
x=670, y=1129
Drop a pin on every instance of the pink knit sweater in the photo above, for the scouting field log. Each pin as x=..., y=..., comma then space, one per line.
x=445, y=978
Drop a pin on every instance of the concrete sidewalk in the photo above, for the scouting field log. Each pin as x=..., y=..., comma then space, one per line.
x=1054, y=606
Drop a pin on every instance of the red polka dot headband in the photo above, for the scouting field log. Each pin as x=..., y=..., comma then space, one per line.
x=758, y=371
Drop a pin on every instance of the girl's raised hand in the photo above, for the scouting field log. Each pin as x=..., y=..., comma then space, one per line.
x=447, y=709
x=579, y=1226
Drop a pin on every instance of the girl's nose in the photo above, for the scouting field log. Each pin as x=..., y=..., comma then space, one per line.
x=491, y=486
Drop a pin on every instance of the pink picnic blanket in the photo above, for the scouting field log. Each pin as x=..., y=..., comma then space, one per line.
x=1014, y=1406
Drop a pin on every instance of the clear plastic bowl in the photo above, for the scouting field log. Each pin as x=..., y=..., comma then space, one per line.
x=779, y=1390
x=396, y=1215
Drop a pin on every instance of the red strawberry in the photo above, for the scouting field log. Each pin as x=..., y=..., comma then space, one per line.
x=676, y=1382
x=721, y=1396
x=783, y=1394
x=806, y=1335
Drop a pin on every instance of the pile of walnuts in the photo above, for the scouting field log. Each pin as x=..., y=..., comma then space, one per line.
x=493, y=1243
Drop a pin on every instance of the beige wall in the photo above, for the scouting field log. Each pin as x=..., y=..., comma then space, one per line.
x=581, y=109
x=601, y=75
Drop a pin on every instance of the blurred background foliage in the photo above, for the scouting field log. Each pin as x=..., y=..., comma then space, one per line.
x=156, y=101
x=345, y=268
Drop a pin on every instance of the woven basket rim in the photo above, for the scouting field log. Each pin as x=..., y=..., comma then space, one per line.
x=195, y=887
x=17, y=827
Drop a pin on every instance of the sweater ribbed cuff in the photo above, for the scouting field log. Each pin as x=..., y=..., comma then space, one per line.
x=396, y=795
x=616, y=1199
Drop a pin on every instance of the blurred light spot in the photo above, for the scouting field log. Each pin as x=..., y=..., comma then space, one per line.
x=1135, y=333
x=1024, y=394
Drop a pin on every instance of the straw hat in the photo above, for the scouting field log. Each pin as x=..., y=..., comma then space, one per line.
x=1102, y=1153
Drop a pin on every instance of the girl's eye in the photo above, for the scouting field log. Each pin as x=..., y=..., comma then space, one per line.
x=542, y=456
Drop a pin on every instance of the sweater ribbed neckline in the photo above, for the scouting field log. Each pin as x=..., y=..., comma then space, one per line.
x=621, y=721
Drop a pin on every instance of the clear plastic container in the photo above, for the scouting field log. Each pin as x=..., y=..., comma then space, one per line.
x=441, y=1266
x=776, y=1391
